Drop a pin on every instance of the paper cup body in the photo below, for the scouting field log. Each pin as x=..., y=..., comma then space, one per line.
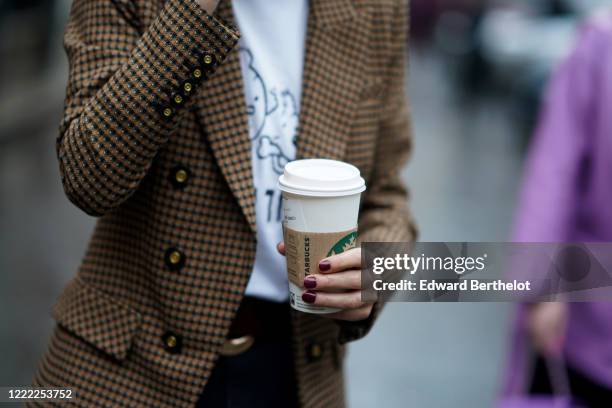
x=320, y=213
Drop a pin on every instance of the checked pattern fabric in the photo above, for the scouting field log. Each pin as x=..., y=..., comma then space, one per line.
x=154, y=142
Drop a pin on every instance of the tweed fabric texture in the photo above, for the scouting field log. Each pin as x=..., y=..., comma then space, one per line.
x=155, y=142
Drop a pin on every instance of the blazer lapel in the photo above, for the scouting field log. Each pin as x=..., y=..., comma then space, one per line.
x=221, y=109
x=331, y=82
x=332, y=79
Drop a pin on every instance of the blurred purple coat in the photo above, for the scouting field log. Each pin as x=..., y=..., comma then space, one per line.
x=567, y=194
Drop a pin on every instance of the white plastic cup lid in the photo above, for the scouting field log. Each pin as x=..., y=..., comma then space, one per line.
x=321, y=178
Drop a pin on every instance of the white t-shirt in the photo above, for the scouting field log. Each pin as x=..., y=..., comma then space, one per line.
x=271, y=54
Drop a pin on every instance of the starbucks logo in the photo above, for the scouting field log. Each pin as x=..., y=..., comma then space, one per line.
x=344, y=244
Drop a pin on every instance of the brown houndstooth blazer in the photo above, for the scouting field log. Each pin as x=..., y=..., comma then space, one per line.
x=154, y=142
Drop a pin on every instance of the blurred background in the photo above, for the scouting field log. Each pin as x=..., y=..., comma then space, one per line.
x=477, y=72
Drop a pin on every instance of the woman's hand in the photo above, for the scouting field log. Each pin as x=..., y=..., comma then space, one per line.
x=337, y=284
x=546, y=323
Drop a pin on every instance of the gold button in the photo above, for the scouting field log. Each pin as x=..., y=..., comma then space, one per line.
x=167, y=112
x=181, y=176
x=315, y=351
x=175, y=258
x=207, y=59
x=187, y=87
x=171, y=341
x=197, y=73
x=178, y=99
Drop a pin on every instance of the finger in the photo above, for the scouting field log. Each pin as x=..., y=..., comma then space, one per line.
x=350, y=259
x=353, y=315
x=350, y=279
x=344, y=300
x=280, y=247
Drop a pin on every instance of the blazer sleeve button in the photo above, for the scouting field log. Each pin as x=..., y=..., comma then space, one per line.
x=197, y=74
x=167, y=112
x=178, y=100
x=208, y=59
x=187, y=88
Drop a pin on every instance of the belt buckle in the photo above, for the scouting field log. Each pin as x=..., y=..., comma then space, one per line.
x=239, y=345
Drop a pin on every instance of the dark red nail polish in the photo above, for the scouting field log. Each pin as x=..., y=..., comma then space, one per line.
x=310, y=282
x=324, y=266
x=309, y=296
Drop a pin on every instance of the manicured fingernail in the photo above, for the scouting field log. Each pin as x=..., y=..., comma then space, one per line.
x=310, y=282
x=309, y=296
x=324, y=265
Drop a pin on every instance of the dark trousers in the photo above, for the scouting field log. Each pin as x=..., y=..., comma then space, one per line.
x=584, y=390
x=263, y=376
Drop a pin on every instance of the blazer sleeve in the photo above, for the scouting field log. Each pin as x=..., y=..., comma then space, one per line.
x=384, y=215
x=127, y=89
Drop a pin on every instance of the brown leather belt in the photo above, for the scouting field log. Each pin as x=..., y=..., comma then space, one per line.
x=257, y=320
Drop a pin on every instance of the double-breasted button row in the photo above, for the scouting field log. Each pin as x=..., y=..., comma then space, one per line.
x=206, y=63
x=179, y=176
x=174, y=258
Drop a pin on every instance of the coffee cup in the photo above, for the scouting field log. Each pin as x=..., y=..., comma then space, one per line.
x=320, y=212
